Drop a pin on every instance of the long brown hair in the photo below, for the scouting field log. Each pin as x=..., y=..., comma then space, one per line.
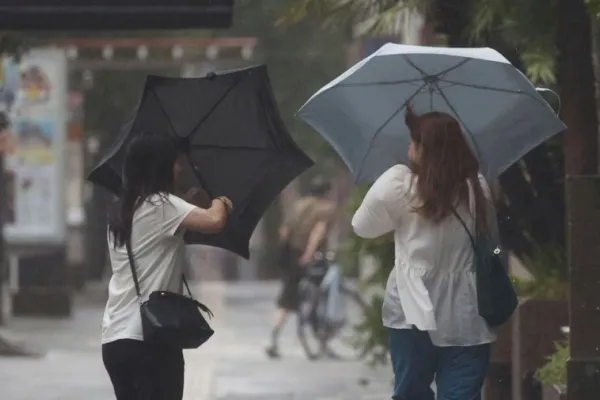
x=444, y=167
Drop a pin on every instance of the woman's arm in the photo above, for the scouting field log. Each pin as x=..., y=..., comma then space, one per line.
x=316, y=237
x=379, y=212
x=211, y=220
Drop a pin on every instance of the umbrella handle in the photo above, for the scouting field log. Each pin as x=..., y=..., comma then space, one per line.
x=183, y=145
x=199, y=177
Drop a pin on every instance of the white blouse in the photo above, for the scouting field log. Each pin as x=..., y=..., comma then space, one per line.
x=432, y=286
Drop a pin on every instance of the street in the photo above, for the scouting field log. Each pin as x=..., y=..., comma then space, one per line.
x=231, y=366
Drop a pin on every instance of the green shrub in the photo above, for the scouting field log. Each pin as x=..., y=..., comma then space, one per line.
x=372, y=338
x=554, y=372
x=548, y=265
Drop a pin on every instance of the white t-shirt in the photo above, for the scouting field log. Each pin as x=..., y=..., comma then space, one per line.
x=159, y=254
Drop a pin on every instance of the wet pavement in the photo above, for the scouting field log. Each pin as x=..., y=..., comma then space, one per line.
x=231, y=366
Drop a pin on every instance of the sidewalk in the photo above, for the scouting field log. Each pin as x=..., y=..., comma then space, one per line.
x=231, y=366
x=239, y=369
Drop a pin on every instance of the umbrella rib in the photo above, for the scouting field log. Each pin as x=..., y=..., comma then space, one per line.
x=214, y=107
x=216, y=146
x=491, y=88
x=403, y=80
x=482, y=87
x=412, y=64
x=443, y=95
x=382, y=127
x=379, y=83
x=199, y=176
x=460, y=64
x=164, y=112
x=439, y=74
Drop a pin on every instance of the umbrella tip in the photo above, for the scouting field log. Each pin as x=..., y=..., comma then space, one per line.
x=211, y=75
x=551, y=97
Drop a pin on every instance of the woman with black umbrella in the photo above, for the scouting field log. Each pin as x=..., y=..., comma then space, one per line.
x=153, y=219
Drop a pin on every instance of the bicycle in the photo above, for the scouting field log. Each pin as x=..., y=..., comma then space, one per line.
x=330, y=308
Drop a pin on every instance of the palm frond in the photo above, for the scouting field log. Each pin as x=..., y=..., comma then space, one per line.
x=387, y=22
x=518, y=22
x=298, y=10
x=540, y=66
x=593, y=7
x=381, y=17
x=484, y=16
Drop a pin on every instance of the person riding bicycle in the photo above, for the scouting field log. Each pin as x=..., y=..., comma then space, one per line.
x=304, y=234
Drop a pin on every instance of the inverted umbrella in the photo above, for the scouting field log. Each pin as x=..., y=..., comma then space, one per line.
x=232, y=139
x=361, y=113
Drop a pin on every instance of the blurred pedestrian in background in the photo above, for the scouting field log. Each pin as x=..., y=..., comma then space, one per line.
x=303, y=234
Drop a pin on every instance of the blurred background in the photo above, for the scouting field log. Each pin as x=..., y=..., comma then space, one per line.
x=67, y=83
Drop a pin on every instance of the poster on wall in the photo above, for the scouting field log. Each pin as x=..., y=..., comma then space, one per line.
x=33, y=93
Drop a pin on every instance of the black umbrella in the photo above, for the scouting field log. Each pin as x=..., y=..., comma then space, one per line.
x=233, y=140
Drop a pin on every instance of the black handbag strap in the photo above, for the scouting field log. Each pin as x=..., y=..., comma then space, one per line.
x=462, y=222
x=133, y=273
x=136, y=282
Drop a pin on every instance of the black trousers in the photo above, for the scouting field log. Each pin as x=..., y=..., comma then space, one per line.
x=139, y=371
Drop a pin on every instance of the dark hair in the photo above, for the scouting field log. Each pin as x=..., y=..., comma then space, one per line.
x=319, y=186
x=147, y=171
x=445, y=165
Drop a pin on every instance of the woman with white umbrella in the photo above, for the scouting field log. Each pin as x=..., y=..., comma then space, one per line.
x=430, y=306
x=449, y=287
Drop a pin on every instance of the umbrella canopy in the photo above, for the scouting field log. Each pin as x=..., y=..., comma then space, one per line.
x=361, y=113
x=233, y=140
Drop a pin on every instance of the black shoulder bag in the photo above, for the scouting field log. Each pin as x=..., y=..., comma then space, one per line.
x=496, y=297
x=171, y=319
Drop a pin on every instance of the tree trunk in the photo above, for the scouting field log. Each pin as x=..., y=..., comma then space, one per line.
x=452, y=20
x=596, y=60
x=577, y=88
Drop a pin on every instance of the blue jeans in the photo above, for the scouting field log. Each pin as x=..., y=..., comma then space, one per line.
x=459, y=372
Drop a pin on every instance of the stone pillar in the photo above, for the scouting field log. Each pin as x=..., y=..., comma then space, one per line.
x=95, y=202
x=4, y=300
x=583, y=240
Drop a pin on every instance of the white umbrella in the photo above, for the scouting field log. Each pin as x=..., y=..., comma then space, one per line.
x=361, y=112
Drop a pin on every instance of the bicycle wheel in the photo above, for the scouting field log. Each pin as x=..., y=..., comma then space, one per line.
x=321, y=335
x=343, y=334
x=310, y=320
